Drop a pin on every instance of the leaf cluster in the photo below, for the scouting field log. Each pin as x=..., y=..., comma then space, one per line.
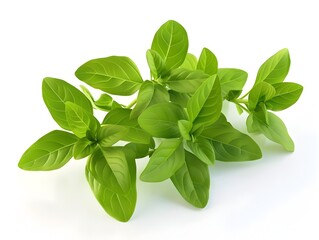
x=176, y=120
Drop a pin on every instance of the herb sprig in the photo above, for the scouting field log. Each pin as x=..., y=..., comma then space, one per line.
x=179, y=106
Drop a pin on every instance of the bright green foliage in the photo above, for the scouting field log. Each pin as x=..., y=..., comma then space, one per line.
x=165, y=161
x=275, y=69
x=171, y=43
x=56, y=93
x=176, y=120
x=192, y=181
x=50, y=152
x=115, y=75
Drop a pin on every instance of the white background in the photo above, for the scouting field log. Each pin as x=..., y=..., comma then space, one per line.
x=273, y=198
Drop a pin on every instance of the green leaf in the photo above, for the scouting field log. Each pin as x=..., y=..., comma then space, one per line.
x=165, y=161
x=261, y=92
x=56, y=93
x=190, y=62
x=231, y=79
x=106, y=187
x=50, y=152
x=185, y=127
x=207, y=62
x=160, y=120
x=185, y=81
x=203, y=149
x=179, y=98
x=251, y=127
x=261, y=112
x=115, y=75
x=155, y=63
x=286, y=95
x=192, y=181
x=121, y=116
x=171, y=43
x=140, y=150
x=83, y=148
x=104, y=103
x=230, y=144
x=204, y=107
x=275, y=69
x=275, y=130
x=80, y=121
x=149, y=94
x=109, y=134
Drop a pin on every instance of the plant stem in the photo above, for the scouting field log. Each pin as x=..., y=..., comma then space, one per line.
x=239, y=100
x=131, y=104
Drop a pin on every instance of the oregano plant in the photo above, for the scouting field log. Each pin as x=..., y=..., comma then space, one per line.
x=176, y=120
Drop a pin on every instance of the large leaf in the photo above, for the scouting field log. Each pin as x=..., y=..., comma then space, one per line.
x=204, y=107
x=275, y=130
x=56, y=93
x=161, y=120
x=115, y=75
x=80, y=121
x=134, y=133
x=192, y=181
x=52, y=151
x=171, y=43
x=287, y=94
x=185, y=81
x=261, y=92
x=229, y=143
x=165, y=161
x=203, y=149
x=190, y=62
x=207, y=62
x=155, y=63
x=231, y=79
x=149, y=94
x=275, y=69
x=106, y=187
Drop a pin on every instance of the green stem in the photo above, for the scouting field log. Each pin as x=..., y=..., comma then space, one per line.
x=131, y=104
x=242, y=107
x=239, y=100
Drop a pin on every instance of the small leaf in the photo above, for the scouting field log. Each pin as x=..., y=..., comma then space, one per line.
x=179, y=98
x=121, y=116
x=106, y=188
x=149, y=94
x=190, y=62
x=204, y=107
x=83, y=148
x=251, y=127
x=230, y=144
x=286, y=95
x=50, y=152
x=207, y=62
x=275, y=69
x=155, y=63
x=160, y=120
x=165, y=161
x=104, y=103
x=261, y=92
x=203, y=149
x=185, y=127
x=109, y=134
x=80, y=121
x=275, y=130
x=185, y=81
x=192, y=181
x=56, y=93
x=171, y=43
x=115, y=75
x=231, y=79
